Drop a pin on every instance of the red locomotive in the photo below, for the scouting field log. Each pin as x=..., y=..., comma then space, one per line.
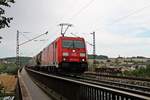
x=64, y=54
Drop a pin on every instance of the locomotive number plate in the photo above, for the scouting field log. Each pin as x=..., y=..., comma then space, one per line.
x=74, y=54
x=74, y=59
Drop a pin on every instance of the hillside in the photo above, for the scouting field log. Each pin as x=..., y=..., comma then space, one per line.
x=90, y=56
x=23, y=60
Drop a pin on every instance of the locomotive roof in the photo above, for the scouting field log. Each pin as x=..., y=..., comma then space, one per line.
x=65, y=37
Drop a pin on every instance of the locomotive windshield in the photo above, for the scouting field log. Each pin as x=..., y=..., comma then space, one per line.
x=73, y=44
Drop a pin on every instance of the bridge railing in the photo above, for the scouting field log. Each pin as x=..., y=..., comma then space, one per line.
x=71, y=89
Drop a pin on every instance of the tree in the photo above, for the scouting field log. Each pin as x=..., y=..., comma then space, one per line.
x=0, y=38
x=4, y=21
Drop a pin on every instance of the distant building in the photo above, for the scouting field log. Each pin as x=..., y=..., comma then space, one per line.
x=125, y=64
x=2, y=61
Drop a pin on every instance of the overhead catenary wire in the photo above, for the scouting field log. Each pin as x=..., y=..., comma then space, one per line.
x=114, y=22
x=33, y=38
x=85, y=41
x=126, y=16
x=123, y=18
x=130, y=14
x=82, y=9
x=25, y=36
x=77, y=13
x=39, y=48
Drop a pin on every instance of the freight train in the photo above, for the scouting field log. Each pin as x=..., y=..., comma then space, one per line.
x=65, y=54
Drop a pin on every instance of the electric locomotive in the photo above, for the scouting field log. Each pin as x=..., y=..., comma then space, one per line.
x=67, y=54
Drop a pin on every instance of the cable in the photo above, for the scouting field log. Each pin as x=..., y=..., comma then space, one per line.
x=40, y=47
x=116, y=21
x=25, y=36
x=83, y=8
x=132, y=13
x=33, y=38
x=125, y=17
x=85, y=41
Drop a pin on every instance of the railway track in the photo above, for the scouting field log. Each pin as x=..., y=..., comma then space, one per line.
x=118, y=83
x=141, y=86
x=109, y=89
x=131, y=83
x=126, y=80
x=116, y=89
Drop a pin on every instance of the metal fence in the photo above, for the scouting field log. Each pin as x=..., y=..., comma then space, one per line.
x=71, y=89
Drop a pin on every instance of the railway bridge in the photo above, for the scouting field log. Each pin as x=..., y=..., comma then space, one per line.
x=38, y=85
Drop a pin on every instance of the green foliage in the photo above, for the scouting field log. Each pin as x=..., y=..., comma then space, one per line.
x=11, y=69
x=23, y=60
x=2, y=68
x=97, y=57
x=8, y=68
x=141, y=72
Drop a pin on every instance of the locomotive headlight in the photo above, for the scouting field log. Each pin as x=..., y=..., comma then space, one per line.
x=83, y=59
x=64, y=59
x=65, y=54
x=82, y=54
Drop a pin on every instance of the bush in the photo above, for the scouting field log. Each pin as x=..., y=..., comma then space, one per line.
x=8, y=68
x=141, y=72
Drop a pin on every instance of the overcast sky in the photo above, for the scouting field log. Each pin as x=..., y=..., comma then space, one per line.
x=121, y=26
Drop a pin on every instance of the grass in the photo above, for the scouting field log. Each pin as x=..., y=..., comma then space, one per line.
x=8, y=82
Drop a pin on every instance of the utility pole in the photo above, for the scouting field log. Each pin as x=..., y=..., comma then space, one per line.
x=17, y=50
x=94, y=49
x=62, y=28
x=19, y=44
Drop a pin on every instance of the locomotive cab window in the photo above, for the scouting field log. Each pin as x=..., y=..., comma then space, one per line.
x=67, y=44
x=73, y=44
x=79, y=44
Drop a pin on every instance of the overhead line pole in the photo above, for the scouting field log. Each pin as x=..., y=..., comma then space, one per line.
x=17, y=46
x=17, y=50
x=94, y=49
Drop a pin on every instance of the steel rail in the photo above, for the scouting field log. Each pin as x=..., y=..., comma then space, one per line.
x=121, y=77
x=125, y=81
x=126, y=92
x=125, y=87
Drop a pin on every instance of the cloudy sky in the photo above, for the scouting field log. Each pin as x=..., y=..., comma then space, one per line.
x=121, y=26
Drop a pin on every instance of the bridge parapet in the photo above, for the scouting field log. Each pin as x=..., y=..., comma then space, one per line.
x=23, y=88
x=71, y=89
